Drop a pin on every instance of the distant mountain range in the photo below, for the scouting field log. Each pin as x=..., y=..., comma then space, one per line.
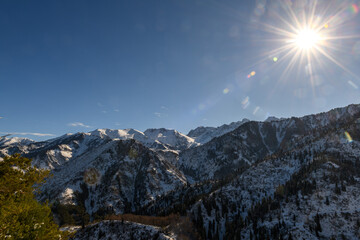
x=290, y=178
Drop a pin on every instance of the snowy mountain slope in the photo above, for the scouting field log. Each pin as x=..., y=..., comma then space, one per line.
x=124, y=175
x=168, y=137
x=155, y=138
x=15, y=140
x=9, y=146
x=337, y=210
x=254, y=140
x=120, y=230
x=242, y=147
x=319, y=201
x=53, y=152
x=240, y=207
x=57, y=151
x=205, y=134
x=171, y=138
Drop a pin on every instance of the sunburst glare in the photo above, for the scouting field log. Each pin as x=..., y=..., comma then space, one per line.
x=307, y=38
x=309, y=34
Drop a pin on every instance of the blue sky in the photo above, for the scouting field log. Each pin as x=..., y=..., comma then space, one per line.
x=69, y=66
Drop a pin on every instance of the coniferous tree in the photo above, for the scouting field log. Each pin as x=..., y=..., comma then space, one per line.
x=290, y=237
x=21, y=216
x=327, y=200
x=318, y=225
x=337, y=189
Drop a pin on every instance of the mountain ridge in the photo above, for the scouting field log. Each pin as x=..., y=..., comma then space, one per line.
x=234, y=185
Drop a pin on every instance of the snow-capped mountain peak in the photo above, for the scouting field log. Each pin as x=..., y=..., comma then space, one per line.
x=15, y=140
x=203, y=135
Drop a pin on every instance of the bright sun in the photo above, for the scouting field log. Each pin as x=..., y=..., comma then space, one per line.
x=307, y=39
x=308, y=36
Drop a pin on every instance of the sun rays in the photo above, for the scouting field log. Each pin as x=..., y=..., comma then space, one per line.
x=309, y=33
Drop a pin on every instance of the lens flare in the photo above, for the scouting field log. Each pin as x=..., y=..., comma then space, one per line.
x=251, y=74
x=92, y=176
x=351, y=83
x=256, y=109
x=245, y=103
x=201, y=106
x=348, y=137
x=354, y=8
x=133, y=153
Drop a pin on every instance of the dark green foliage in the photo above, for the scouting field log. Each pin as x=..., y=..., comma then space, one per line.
x=21, y=216
x=69, y=214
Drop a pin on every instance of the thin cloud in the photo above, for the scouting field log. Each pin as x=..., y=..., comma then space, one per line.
x=78, y=124
x=164, y=108
x=160, y=115
x=29, y=133
x=1, y=117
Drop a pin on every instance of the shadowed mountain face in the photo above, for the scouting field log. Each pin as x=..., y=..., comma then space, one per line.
x=296, y=189
x=225, y=172
x=205, y=134
x=252, y=141
x=124, y=175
